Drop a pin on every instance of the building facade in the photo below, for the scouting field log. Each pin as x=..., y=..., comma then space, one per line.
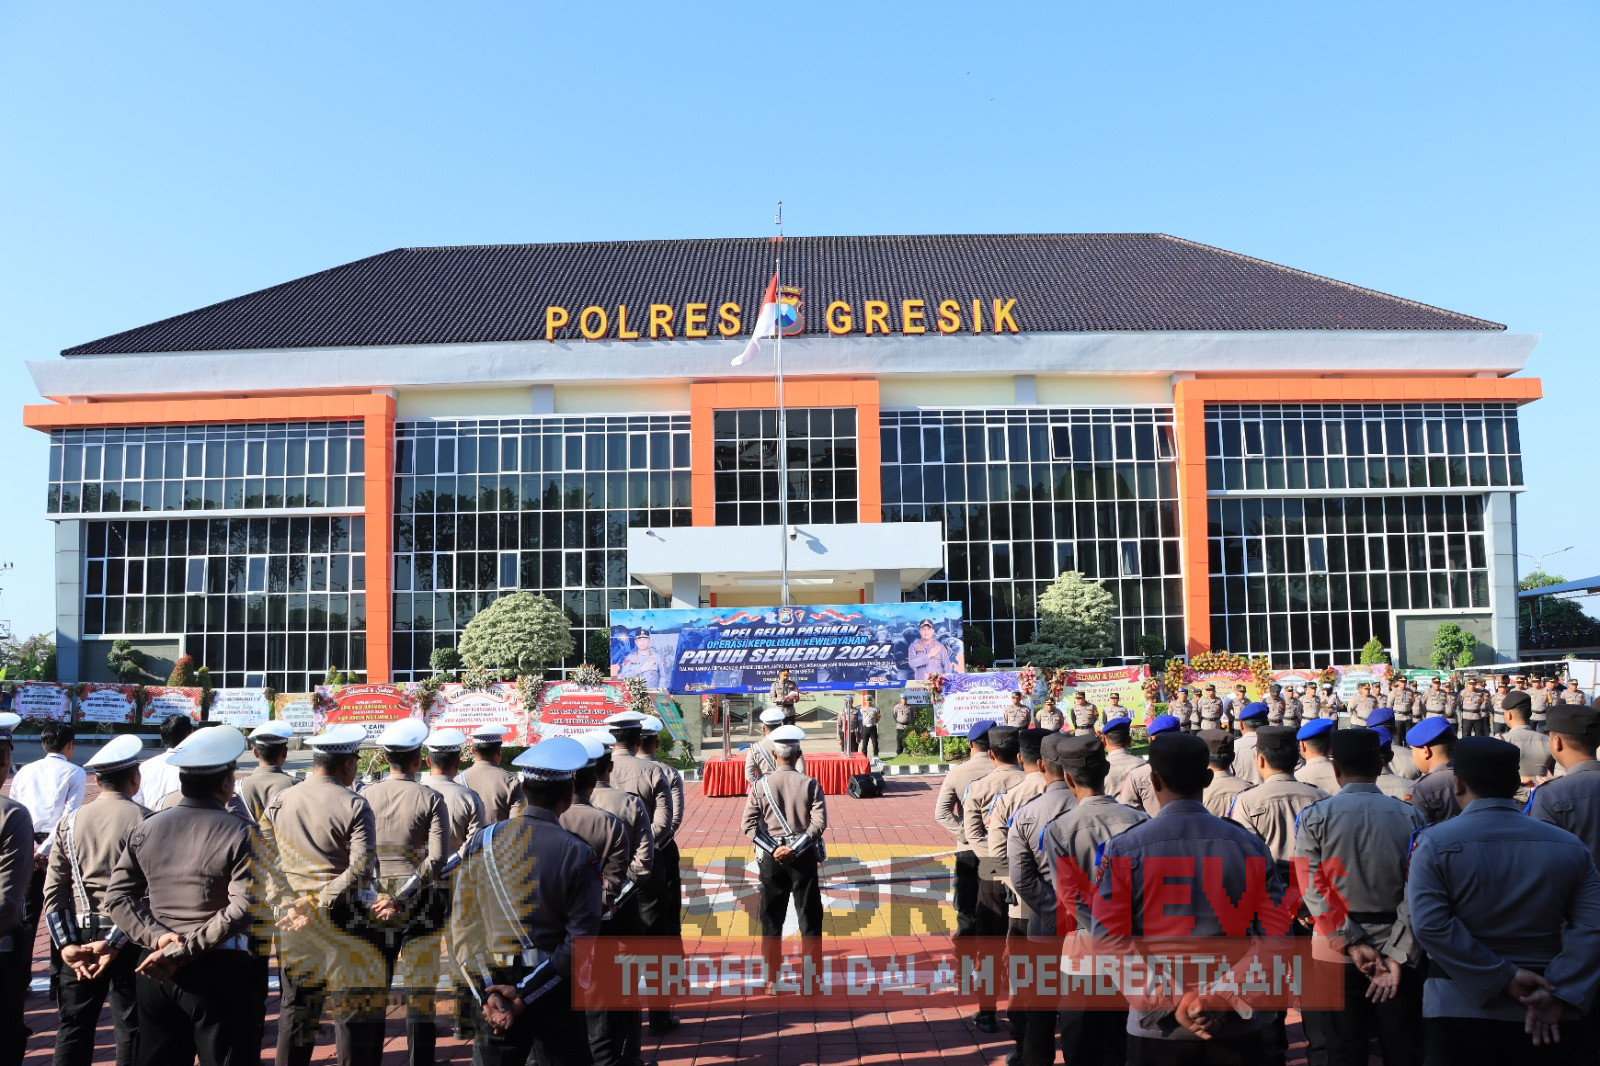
x=1247, y=456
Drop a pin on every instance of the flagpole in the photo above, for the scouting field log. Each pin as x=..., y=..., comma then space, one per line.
x=783, y=430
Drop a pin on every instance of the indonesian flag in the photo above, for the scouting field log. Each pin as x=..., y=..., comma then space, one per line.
x=766, y=324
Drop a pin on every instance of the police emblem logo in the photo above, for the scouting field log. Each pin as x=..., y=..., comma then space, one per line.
x=790, y=321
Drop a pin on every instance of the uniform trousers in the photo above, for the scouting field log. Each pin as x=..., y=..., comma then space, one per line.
x=1474, y=727
x=1452, y=1041
x=80, y=1003
x=992, y=921
x=664, y=916
x=418, y=941
x=1246, y=1049
x=319, y=959
x=14, y=978
x=1339, y=1038
x=615, y=1035
x=199, y=1012
x=966, y=892
x=1093, y=1038
x=548, y=1032
x=869, y=736
x=780, y=883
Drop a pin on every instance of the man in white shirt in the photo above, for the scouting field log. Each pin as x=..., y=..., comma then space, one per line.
x=158, y=777
x=49, y=788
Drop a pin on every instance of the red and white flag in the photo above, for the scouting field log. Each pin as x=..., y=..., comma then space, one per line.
x=766, y=324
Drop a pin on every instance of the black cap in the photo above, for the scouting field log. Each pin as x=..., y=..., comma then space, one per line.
x=1489, y=762
x=1219, y=742
x=1076, y=751
x=1354, y=745
x=1518, y=701
x=1179, y=757
x=1276, y=738
x=1573, y=721
x=1031, y=743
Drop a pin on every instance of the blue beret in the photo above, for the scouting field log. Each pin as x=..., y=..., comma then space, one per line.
x=1427, y=731
x=1122, y=722
x=1315, y=728
x=1381, y=716
x=1252, y=711
x=1385, y=738
x=978, y=729
x=1161, y=723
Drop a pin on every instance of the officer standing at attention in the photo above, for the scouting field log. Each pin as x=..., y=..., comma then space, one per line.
x=1184, y=710
x=668, y=916
x=1332, y=704
x=1572, y=801
x=1170, y=1031
x=1473, y=706
x=16, y=874
x=1402, y=701
x=1317, y=771
x=1371, y=940
x=98, y=957
x=761, y=760
x=1050, y=717
x=1432, y=741
x=630, y=810
x=1218, y=796
x=1293, y=709
x=982, y=795
x=526, y=889
x=319, y=837
x=1399, y=761
x=1508, y=910
x=647, y=780
x=1275, y=705
x=500, y=791
x=1365, y=703
x=1210, y=708
x=258, y=789
x=1136, y=790
x=411, y=839
x=1251, y=718
x=464, y=813
x=50, y=788
x=1084, y=715
x=1310, y=704
x=182, y=890
x=785, y=816
x=1534, y=747
x=1573, y=694
x=1018, y=715
x=948, y=812
x=1389, y=782
x=1117, y=735
x=1271, y=807
x=1539, y=699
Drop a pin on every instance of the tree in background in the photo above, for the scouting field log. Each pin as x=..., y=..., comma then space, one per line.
x=183, y=673
x=979, y=652
x=33, y=659
x=1372, y=653
x=1075, y=624
x=597, y=650
x=444, y=660
x=520, y=632
x=126, y=661
x=1551, y=622
x=1453, y=647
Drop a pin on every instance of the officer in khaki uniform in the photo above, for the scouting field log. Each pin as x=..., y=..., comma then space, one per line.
x=991, y=913
x=1117, y=734
x=464, y=812
x=319, y=837
x=1402, y=701
x=760, y=760
x=1310, y=704
x=1572, y=801
x=1030, y=758
x=667, y=919
x=98, y=957
x=1372, y=941
x=1184, y=710
x=1533, y=747
x=1573, y=695
x=1398, y=759
x=182, y=890
x=1364, y=704
x=623, y=917
x=16, y=876
x=1294, y=709
x=1316, y=770
x=1018, y=715
x=1270, y=807
x=1050, y=717
x=649, y=781
x=785, y=817
x=270, y=740
x=1539, y=699
x=525, y=890
x=1136, y=790
x=1252, y=716
x=1275, y=705
x=499, y=790
x=949, y=810
x=1218, y=796
x=1084, y=714
x=1432, y=741
x=1210, y=708
x=1389, y=782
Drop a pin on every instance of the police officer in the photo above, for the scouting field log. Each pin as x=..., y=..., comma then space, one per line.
x=1508, y=910
x=1539, y=699
x=1472, y=710
x=1252, y=717
x=927, y=655
x=1084, y=714
x=1050, y=717
x=1398, y=760
x=1402, y=701
x=647, y=663
x=647, y=780
x=1235, y=701
x=1371, y=940
x=1117, y=735
x=1432, y=741
x=1534, y=747
x=500, y=791
x=1389, y=782
x=1311, y=704
x=1211, y=709
x=464, y=813
x=1573, y=695
x=258, y=789
x=991, y=910
x=1136, y=790
x=1218, y=796
x=1018, y=715
x=98, y=957
x=1436, y=702
x=785, y=817
x=320, y=837
x=1184, y=710
x=1572, y=801
x=1293, y=708
x=760, y=760
x=629, y=809
x=1332, y=703
x=525, y=889
x=1068, y=846
x=1184, y=831
x=1270, y=808
x=1275, y=705
x=948, y=812
x=1316, y=770
x=668, y=916
x=181, y=890
x=50, y=788
x=16, y=874
x=1364, y=704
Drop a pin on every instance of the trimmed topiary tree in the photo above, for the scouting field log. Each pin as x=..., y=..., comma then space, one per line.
x=521, y=632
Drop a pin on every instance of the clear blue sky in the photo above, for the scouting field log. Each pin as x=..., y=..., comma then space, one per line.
x=162, y=156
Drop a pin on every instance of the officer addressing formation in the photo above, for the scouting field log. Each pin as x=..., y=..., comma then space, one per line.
x=1452, y=880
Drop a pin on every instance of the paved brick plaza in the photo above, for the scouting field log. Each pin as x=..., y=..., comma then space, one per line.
x=893, y=839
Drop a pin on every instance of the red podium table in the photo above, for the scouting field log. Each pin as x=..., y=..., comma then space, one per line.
x=834, y=770
x=723, y=777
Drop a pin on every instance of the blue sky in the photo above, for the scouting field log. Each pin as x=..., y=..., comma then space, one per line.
x=162, y=156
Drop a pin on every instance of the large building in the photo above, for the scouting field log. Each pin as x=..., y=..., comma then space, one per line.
x=341, y=470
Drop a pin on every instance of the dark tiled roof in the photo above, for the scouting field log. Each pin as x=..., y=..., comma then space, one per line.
x=1074, y=282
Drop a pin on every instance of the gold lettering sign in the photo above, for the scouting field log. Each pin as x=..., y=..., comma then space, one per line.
x=841, y=318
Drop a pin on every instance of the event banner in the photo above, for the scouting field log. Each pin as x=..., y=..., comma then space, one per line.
x=371, y=706
x=242, y=708
x=672, y=719
x=299, y=709
x=106, y=703
x=1351, y=676
x=466, y=709
x=164, y=702
x=844, y=647
x=43, y=701
x=1098, y=683
x=567, y=708
x=969, y=698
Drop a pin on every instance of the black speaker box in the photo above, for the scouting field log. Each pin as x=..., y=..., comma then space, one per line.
x=866, y=786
